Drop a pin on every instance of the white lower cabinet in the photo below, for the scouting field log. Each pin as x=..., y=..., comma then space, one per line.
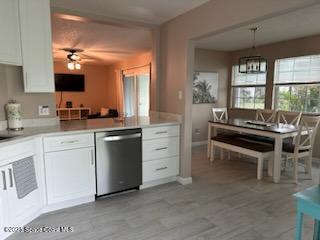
x=21, y=209
x=69, y=170
x=70, y=174
x=15, y=212
x=4, y=202
x=160, y=154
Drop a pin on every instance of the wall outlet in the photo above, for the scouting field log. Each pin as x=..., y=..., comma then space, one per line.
x=44, y=110
x=197, y=131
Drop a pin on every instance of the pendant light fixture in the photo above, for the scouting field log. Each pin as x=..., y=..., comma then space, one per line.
x=254, y=63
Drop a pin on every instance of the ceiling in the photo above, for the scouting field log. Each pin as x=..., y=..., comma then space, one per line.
x=300, y=23
x=102, y=43
x=145, y=11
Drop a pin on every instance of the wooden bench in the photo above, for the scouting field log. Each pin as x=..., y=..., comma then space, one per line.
x=260, y=150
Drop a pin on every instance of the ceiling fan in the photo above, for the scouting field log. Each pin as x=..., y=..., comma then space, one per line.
x=73, y=58
x=77, y=55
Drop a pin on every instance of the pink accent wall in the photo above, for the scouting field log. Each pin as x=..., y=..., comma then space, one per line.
x=100, y=87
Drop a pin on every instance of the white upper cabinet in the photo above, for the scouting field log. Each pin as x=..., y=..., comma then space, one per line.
x=36, y=45
x=10, y=46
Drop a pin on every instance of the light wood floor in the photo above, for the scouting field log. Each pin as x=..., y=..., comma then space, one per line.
x=224, y=202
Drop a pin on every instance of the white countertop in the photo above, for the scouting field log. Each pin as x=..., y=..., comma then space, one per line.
x=85, y=126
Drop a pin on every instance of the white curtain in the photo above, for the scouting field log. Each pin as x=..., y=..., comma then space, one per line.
x=120, y=95
x=136, y=91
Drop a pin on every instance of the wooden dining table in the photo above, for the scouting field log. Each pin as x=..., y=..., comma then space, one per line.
x=278, y=132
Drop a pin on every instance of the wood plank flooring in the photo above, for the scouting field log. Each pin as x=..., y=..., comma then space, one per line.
x=224, y=202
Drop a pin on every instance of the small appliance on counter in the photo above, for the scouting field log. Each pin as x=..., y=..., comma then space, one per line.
x=14, y=116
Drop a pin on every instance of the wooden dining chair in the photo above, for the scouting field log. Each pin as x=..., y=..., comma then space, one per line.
x=220, y=114
x=287, y=117
x=265, y=115
x=292, y=118
x=303, y=144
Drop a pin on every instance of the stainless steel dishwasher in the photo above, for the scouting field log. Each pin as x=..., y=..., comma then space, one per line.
x=118, y=161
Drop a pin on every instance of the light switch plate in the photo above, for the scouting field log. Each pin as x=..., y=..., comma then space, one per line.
x=180, y=95
x=44, y=110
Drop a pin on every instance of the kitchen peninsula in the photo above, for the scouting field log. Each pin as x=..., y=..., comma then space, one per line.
x=58, y=150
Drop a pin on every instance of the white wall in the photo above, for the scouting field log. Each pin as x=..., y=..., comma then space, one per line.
x=177, y=51
x=209, y=61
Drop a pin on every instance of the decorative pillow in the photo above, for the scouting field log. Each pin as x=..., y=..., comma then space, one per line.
x=104, y=112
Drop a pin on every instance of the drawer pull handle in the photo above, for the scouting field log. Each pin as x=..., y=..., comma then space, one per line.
x=70, y=142
x=4, y=180
x=11, y=178
x=163, y=132
x=163, y=148
x=162, y=168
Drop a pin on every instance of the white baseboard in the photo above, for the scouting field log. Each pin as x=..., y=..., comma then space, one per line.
x=194, y=144
x=316, y=159
x=184, y=181
x=158, y=182
x=67, y=204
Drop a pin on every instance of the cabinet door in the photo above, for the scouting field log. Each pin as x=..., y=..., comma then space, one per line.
x=4, y=208
x=36, y=46
x=25, y=209
x=10, y=49
x=70, y=174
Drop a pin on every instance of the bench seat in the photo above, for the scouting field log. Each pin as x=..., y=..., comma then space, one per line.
x=240, y=144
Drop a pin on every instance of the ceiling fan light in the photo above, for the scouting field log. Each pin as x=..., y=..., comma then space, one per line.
x=78, y=66
x=71, y=66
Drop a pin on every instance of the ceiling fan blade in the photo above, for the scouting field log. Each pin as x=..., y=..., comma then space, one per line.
x=109, y=51
x=84, y=55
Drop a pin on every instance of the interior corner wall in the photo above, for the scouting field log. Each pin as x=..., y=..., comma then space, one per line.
x=176, y=52
x=209, y=61
x=11, y=88
x=99, y=87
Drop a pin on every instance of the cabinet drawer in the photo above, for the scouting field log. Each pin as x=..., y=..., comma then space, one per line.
x=163, y=168
x=160, y=132
x=160, y=148
x=66, y=142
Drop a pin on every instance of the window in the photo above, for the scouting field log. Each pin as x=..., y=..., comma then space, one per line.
x=248, y=90
x=297, y=84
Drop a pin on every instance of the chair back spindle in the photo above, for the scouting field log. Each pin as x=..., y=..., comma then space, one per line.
x=265, y=115
x=220, y=114
x=286, y=117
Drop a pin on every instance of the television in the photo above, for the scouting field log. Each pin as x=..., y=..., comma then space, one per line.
x=69, y=82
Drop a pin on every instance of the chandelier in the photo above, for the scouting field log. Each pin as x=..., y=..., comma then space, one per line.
x=254, y=63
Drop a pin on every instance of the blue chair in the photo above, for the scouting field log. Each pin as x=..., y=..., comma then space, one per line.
x=308, y=202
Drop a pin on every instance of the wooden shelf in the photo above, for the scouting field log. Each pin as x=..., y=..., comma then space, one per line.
x=67, y=114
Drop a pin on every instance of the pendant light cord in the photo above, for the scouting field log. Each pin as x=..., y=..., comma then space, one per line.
x=254, y=30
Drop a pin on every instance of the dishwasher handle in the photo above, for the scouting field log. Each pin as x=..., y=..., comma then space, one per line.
x=121, y=137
